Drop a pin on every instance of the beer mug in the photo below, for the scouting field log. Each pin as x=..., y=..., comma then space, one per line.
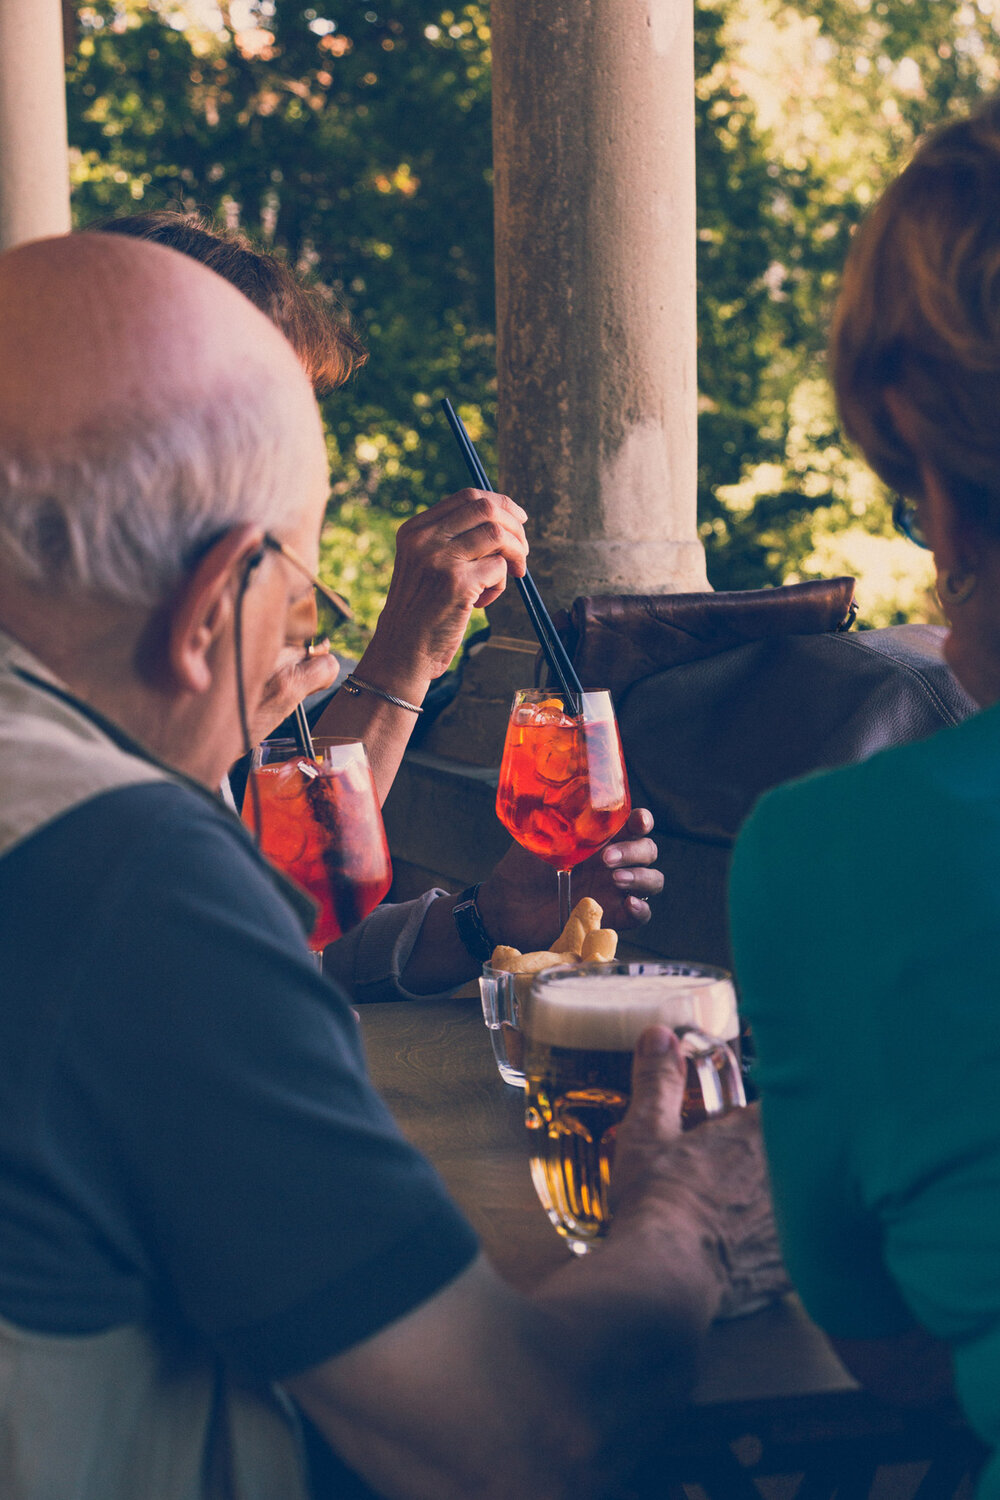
x=498, y=991
x=581, y=1026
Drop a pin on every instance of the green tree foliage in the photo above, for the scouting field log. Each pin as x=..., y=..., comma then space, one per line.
x=355, y=139
x=804, y=114
x=357, y=145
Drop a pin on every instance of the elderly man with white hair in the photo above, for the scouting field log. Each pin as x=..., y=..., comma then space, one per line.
x=207, y=1217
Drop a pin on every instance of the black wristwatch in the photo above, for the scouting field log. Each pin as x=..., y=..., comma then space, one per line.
x=470, y=926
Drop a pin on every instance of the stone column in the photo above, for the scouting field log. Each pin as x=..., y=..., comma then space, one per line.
x=34, y=165
x=593, y=136
x=595, y=260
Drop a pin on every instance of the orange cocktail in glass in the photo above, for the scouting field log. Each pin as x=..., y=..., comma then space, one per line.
x=563, y=790
x=320, y=823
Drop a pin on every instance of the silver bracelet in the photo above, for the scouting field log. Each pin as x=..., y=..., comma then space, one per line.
x=355, y=685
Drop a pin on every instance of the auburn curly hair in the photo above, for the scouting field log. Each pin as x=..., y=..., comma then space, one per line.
x=320, y=333
x=919, y=314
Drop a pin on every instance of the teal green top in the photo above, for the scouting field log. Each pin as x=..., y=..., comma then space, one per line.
x=865, y=909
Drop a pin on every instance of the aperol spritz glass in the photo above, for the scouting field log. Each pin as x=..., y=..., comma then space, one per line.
x=563, y=790
x=320, y=823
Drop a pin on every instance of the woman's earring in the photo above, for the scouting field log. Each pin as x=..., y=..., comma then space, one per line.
x=954, y=591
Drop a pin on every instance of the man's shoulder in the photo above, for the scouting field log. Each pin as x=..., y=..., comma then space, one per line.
x=121, y=819
x=147, y=846
x=895, y=790
x=156, y=887
x=816, y=820
x=871, y=863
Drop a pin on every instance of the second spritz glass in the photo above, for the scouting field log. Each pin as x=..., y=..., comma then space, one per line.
x=563, y=790
x=321, y=824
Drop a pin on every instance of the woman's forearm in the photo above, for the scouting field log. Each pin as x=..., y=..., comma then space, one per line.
x=384, y=728
x=439, y=960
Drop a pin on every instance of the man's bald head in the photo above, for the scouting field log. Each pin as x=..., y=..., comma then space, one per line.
x=146, y=407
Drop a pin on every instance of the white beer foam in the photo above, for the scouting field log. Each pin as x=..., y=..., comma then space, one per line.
x=598, y=1013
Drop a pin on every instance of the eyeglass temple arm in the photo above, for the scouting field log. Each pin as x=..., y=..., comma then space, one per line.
x=334, y=600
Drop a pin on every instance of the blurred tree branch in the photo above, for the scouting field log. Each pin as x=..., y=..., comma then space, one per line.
x=355, y=140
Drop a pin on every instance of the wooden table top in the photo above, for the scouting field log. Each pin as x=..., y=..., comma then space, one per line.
x=772, y=1400
x=433, y=1063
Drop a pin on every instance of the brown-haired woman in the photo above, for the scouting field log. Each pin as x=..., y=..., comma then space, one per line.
x=321, y=334
x=866, y=901
x=450, y=559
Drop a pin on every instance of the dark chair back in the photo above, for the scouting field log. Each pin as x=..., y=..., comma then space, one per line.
x=721, y=696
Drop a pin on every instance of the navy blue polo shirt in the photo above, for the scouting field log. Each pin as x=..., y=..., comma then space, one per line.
x=188, y=1137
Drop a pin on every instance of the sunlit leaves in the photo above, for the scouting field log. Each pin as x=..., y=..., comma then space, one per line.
x=353, y=142
x=804, y=114
x=355, y=139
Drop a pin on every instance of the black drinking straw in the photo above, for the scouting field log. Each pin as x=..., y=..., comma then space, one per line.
x=306, y=746
x=548, y=637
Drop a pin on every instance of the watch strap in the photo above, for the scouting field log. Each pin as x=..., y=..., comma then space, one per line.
x=470, y=926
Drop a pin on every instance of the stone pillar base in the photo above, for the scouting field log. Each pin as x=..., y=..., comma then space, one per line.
x=472, y=728
x=441, y=822
x=608, y=565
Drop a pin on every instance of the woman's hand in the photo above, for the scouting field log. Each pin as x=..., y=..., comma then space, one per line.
x=519, y=901
x=450, y=559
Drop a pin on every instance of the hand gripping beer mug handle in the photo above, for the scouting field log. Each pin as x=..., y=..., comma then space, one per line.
x=717, y=1070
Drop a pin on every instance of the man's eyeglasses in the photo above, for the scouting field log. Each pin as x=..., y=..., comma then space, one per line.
x=906, y=520
x=340, y=608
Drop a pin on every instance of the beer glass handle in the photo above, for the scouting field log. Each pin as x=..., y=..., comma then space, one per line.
x=718, y=1072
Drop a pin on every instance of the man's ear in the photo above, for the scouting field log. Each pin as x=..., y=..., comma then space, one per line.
x=204, y=603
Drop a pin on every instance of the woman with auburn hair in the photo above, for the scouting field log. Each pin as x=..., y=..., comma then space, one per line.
x=865, y=901
x=450, y=559
x=319, y=332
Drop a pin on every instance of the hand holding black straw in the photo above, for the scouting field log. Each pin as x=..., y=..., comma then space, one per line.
x=548, y=637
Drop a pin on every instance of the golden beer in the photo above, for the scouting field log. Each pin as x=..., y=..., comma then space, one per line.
x=582, y=1026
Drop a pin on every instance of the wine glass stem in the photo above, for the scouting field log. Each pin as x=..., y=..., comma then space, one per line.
x=564, y=879
x=318, y=956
